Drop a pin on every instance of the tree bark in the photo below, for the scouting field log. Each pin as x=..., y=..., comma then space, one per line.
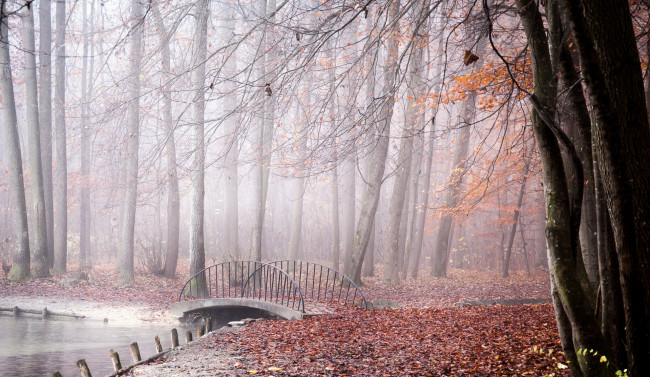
x=197, y=244
x=45, y=118
x=574, y=293
x=61, y=192
x=378, y=165
x=259, y=195
x=231, y=174
x=513, y=230
x=173, y=196
x=21, y=258
x=84, y=207
x=612, y=71
x=132, y=146
x=41, y=266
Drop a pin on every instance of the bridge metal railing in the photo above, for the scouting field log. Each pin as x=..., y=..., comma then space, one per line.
x=290, y=283
x=245, y=279
x=322, y=283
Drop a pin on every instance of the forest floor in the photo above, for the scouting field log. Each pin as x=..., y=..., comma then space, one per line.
x=425, y=335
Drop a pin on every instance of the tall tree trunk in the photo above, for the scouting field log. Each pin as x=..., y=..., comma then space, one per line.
x=45, y=118
x=439, y=268
x=269, y=110
x=513, y=230
x=611, y=67
x=41, y=266
x=231, y=175
x=378, y=164
x=84, y=207
x=336, y=241
x=197, y=244
x=21, y=258
x=562, y=206
x=132, y=146
x=173, y=196
x=396, y=206
x=259, y=195
x=298, y=188
x=61, y=193
x=348, y=188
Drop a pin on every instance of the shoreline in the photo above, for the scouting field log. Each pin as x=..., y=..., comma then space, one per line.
x=113, y=313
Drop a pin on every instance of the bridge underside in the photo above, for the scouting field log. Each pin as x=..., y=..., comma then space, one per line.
x=179, y=309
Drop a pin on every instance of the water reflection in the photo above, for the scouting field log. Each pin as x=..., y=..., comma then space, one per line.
x=32, y=346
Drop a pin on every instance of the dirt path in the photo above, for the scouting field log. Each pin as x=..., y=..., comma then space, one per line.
x=199, y=358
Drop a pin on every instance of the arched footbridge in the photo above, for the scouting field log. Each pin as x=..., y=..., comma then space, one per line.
x=289, y=289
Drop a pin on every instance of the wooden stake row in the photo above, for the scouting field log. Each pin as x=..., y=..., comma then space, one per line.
x=135, y=351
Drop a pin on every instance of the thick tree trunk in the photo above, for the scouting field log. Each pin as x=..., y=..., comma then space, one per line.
x=132, y=146
x=197, y=244
x=378, y=164
x=45, y=118
x=41, y=266
x=574, y=292
x=21, y=258
x=61, y=193
x=173, y=197
x=610, y=63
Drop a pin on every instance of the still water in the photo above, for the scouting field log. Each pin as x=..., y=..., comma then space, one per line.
x=32, y=346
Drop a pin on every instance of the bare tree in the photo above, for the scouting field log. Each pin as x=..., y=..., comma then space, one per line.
x=45, y=118
x=41, y=265
x=441, y=252
x=132, y=146
x=378, y=164
x=61, y=192
x=173, y=196
x=197, y=245
x=21, y=258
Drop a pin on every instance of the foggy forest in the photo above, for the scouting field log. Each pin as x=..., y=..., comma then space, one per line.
x=400, y=142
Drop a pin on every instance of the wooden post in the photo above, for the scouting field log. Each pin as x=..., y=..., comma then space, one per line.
x=200, y=331
x=174, y=338
x=57, y=374
x=135, y=352
x=116, y=360
x=188, y=336
x=83, y=368
x=156, y=340
x=15, y=311
x=208, y=325
x=44, y=313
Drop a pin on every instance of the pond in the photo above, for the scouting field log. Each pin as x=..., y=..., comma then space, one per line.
x=32, y=346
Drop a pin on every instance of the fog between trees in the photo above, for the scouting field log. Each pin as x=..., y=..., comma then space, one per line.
x=404, y=133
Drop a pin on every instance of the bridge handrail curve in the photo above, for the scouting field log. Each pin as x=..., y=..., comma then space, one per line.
x=350, y=282
x=245, y=290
